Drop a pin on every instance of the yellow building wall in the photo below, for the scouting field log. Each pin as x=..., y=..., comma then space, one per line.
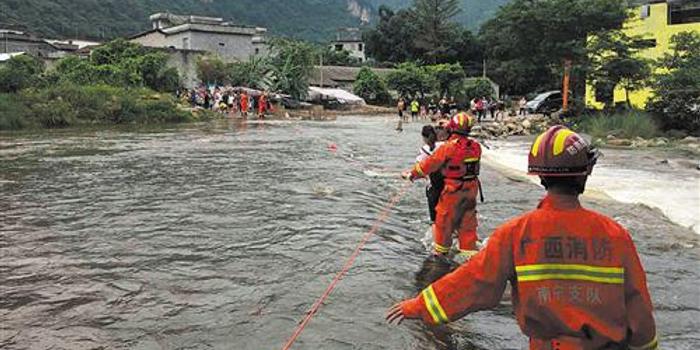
x=655, y=26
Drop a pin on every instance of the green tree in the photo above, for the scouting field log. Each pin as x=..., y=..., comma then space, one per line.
x=448, y=77
x=615, y=61
x=116, y=52
x=75, y=70
x=120, y=64
x=153, y=70
x=473, y=88
x=292, y=63
x=409, y=79
x=676, y=101
x=255, y=73
x=467, y=50
x=528, y=41
x=168, y=80
x=332, y=57
x=20, y=72
x=211, y=70
x=392, y=40
x=434, y=24
x=371, y=87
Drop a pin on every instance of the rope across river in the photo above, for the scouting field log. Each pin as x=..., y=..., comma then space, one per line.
x=383, y=215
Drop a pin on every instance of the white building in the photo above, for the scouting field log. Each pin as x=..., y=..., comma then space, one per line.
x=213, y=35
x=350, y=39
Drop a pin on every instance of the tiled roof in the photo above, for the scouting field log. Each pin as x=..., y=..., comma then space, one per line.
x=333, y=76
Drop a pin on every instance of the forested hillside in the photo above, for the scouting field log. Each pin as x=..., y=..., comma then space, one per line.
x=474, y=12
x=308, y=19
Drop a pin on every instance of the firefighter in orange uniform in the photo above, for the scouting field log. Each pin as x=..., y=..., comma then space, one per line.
x=577, y=282
x=459, y=161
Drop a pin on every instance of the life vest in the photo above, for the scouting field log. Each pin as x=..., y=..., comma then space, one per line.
x=465, y=162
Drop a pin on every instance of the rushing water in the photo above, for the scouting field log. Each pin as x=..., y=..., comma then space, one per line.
x=221, y=236
x=665, y=179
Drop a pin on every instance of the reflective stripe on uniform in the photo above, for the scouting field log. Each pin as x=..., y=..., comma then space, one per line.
x=442, y=249
x=418, y=170
x=542, y=272
x=433, y=305
x=653, y=344
x=471, y=160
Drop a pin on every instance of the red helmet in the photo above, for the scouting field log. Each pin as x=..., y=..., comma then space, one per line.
x=461, y=123
x=561, y=152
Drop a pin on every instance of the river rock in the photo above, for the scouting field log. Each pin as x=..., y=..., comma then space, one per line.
x=690, y=140
x=640, y=142
x=661, y=141
x=620, y=142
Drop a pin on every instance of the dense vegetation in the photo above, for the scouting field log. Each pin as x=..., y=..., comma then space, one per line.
x=371, y=87
x=287, y=69
x=118, y=84
x=677, y=99
x=474, y=12
x=628, y=125
x=113, y=18
x=426, y=32
x=526, y=50
x=307, y=19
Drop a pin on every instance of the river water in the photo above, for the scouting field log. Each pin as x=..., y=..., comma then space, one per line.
x=221, y=236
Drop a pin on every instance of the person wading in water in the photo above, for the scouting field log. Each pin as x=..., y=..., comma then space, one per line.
x=577, y=282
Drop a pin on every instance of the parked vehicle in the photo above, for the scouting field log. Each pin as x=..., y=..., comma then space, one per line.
x=545, y=103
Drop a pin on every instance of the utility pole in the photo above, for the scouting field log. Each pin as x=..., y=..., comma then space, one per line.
x=565, y=87
x=484, y=69
x=321, y=69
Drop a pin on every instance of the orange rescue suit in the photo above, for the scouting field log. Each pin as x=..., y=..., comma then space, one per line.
x=244, y=103
x=262, y=104
x=459, y=161
x=577, y=282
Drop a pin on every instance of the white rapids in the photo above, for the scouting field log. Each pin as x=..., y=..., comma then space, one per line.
x=629, y=176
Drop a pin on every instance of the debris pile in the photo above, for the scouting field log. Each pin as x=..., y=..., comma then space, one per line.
x=513, y=126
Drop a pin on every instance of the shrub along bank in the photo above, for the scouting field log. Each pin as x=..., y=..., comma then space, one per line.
x=628, y=125
x=70, y=105
x=120, y=83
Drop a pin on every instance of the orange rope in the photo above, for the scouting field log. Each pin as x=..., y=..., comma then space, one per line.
x=384, y=214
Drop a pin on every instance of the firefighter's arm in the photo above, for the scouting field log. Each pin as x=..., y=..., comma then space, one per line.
x=640, y=318
x=476, y=285
x=430, y=164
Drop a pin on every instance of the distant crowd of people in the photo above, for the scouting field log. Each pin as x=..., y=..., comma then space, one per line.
x=434, y=110
x=228, y=100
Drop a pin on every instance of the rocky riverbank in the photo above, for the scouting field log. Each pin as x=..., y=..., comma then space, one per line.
x=534, y=124
x=689, y=143
x=513, y=126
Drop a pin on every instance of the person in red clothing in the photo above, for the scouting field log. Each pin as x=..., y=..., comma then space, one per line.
x=244, y=104
x=459, y=161
x=262, y=105
x=577, y=282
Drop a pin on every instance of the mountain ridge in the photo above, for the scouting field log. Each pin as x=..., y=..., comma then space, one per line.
x=315, y=20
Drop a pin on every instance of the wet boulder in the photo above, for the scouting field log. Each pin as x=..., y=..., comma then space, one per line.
x=620, y=142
